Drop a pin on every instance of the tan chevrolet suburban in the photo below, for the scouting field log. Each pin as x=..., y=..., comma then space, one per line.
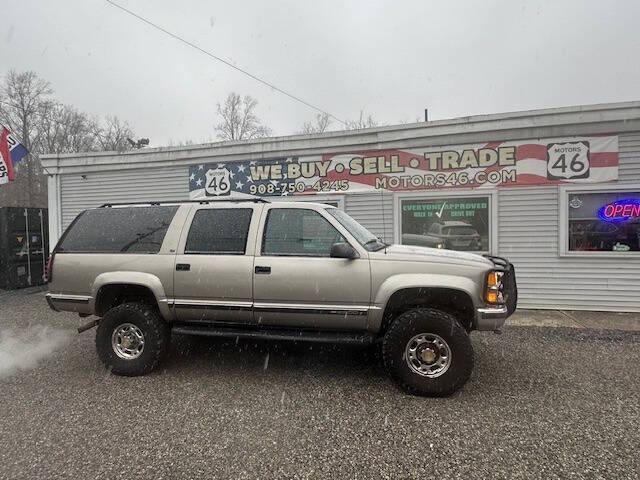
x=296, y=270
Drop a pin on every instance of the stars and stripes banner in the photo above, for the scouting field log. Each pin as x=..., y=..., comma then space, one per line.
x=11, y=152
x=490, y=165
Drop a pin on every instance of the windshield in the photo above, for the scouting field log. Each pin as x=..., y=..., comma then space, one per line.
x=459, y=231
x=367, y=239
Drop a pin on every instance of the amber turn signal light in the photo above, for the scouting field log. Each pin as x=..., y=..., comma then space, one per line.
x=493, y=293
x=492, y=297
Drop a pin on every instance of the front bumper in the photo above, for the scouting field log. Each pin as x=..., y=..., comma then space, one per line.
x=491, y=318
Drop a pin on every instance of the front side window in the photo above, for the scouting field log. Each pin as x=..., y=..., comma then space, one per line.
x=604, y=221
x=219, y=231
x=298, y=232
x=119, y=230
x=455, y=223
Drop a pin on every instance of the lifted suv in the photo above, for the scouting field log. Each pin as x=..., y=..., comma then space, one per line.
x=298, y=271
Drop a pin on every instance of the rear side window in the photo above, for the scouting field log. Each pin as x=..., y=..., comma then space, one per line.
x=119, y=230
x=221, y=231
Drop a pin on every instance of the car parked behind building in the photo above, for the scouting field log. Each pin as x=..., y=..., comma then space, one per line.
x=451, y=234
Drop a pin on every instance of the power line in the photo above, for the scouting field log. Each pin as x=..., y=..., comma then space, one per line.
x=229, y=64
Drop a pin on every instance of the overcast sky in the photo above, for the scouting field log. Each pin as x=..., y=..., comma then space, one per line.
x=390, y=58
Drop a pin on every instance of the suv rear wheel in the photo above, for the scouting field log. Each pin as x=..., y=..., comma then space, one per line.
x=427, y=352
x=132, y=338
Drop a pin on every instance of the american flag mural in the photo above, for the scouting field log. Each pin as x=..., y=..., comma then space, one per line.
x=591, y=159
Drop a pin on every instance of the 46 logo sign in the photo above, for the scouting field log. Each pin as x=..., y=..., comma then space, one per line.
x=568, y=160
x=218, y=182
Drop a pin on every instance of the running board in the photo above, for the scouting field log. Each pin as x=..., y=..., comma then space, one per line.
x=277, y=334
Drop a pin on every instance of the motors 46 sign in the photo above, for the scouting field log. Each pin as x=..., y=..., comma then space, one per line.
x=474, y=166
x=217, y=182
x=568, y=160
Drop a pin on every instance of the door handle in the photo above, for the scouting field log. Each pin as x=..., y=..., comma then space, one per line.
x=263, y=270
x=183, y=267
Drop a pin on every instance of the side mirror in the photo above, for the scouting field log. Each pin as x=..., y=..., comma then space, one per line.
x=343, y=250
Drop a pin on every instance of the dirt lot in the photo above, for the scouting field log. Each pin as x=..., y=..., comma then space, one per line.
x=542, y=403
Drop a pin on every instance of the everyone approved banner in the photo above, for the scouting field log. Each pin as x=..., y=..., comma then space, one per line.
x=496, y=164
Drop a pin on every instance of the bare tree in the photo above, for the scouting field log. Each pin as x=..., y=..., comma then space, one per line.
x=21, y=98
x=238, y=119
x=361, y=122
x=322, y=122
x=405, y=121
x=63, y=129
x=181, y=143
x=113, y=135
x=46, y=126
x=319, y=125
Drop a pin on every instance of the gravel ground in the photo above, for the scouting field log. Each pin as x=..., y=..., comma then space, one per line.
x=542, y=403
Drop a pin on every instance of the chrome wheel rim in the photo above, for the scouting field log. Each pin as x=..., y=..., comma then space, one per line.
x=127, y=341
x=428, y=355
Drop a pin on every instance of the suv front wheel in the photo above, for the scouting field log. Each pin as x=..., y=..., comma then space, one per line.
x=427, y=352
x=132, y=338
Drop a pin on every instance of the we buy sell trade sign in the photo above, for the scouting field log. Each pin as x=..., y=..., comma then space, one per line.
x=477, y=166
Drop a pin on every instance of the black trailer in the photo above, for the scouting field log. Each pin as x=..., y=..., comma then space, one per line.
x=24, y=246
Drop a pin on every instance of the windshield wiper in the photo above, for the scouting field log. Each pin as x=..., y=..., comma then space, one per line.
x=142, y=236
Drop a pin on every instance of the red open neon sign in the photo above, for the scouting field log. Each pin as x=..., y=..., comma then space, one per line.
x=620, y=210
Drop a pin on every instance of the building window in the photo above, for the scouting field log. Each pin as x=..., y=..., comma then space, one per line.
x=454, y=223
x=603, y=221
x=298, y=232
x=219, y=231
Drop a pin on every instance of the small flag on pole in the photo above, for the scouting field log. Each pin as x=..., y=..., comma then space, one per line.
x=11, y=152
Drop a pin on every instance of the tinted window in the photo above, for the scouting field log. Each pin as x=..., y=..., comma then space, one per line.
x=298, y=232
x=113, y=230
x=219, y=231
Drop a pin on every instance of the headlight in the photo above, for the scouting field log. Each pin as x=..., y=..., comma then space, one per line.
x=493, y=292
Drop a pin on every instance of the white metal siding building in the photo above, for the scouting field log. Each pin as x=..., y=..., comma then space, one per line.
x=563, y=259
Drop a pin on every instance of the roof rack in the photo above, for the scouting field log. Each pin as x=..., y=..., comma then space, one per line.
x=202, y=202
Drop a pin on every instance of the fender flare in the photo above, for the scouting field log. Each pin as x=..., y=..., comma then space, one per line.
x=399, y=282
x=142, y=279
